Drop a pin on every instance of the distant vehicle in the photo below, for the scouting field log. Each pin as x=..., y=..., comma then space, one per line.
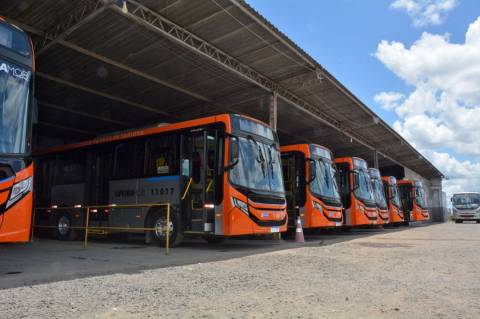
x=17, y=65
x=393, y=199
x=380, y=198
x=222, y=174
x=466, y=206
x=359, y=206
x=310, y=186
x=414, y=201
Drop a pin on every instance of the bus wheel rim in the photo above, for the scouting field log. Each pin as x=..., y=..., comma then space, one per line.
x=161, y=229
x=63, y=225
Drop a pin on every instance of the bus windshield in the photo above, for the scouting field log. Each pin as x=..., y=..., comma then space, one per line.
x=466, y=201
x=14, y=100
x=379, y=194
x=258, y=167
x=420, y=196
x=363, y=187
x=324, y=184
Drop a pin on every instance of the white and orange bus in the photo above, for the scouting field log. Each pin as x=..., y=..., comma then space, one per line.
x=393, y=199
x=359, y=206
x=17, y=65
x=380, y=198
x=414, y=201
x=222, y=174
x=310, y=185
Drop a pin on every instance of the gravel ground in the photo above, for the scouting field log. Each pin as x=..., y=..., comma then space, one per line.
x=422, y=272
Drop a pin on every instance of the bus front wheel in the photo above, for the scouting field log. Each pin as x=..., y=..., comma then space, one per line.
x=157, y=220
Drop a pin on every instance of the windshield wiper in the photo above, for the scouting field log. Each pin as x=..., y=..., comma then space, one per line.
x=260, y=158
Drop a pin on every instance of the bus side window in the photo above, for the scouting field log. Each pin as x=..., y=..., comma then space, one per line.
x=70, y=168
x=161, y=155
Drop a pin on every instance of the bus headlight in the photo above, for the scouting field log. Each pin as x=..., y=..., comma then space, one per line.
x=317, y=205
x=18, y=190
x=240, y=204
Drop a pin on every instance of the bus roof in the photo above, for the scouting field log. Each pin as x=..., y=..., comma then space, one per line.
x=151, y=130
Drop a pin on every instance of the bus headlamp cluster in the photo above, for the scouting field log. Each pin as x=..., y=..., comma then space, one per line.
x=317, y=205
x=241, y=205
x=20, y=189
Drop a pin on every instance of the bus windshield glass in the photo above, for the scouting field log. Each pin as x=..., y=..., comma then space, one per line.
x=14, y=101
x=324, y=184
x=258, y=167
x=363, y=187
x=395, y=195
x=420, y=196
x=466, y=201
x=379, y=194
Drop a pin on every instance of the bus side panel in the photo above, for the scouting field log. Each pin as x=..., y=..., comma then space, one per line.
x=151, y=190
x=15, y=226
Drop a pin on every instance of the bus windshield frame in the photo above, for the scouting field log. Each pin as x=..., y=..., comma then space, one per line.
x=324, y=184
x=469, y=201
x=420, y=196
x=362, y=185
x=16, y=85
x=379, y=194
x=395, y=195
x=258, y=166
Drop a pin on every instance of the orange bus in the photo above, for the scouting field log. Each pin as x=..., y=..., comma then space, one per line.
x=310, y=186
x=222, y=175
x=359, y=207
x=393, y=199
x=414, y=202
x=17, y=66
x=383, y=215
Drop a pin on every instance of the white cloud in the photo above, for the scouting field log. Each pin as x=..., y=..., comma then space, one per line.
x=389, y=100
x=425, y=12
x=443, y=110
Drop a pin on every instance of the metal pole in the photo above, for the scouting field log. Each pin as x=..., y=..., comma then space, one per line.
x=167, y=239
x=273, y=111
x=86, y=228
x=32, y=225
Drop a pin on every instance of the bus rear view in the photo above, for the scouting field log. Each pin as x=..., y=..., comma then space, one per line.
x=466, y=206
x=311, y=188
x=356, y=191
x=16, y=103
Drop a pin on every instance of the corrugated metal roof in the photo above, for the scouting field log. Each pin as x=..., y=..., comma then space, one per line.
x=112, y=70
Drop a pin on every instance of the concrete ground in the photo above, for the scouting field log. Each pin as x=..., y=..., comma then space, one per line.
x=419, y=272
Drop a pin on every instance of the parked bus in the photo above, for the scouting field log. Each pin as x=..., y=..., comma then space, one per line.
x=359, y=207
x=414, y=202
x=17, y=65
x=310, y=186
x=466, y=206
x=393, y=199
x=383, y=216
x=222, y=174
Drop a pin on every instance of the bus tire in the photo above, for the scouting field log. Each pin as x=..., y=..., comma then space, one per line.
x=157, y=219
x=63, y=230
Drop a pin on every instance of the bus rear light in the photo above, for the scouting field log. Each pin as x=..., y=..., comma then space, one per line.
x=94, y=210
x=19, y=190
x=112, y=205
x=209, y=206
x=54, y=206
x=106, y=210
x=77, y=206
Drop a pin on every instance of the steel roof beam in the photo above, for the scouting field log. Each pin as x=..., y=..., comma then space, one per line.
x=80, y=16
x=96, y=117
x=102, y=94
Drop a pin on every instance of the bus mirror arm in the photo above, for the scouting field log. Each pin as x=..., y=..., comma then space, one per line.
x=229, y=167
x=355, y=184
x=313, y=174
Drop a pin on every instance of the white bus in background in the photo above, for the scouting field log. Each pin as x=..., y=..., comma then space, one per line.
x=466, y=206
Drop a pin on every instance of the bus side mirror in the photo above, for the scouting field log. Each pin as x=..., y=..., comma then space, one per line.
x=313, y=171
x=355, y=181
x=234, y=153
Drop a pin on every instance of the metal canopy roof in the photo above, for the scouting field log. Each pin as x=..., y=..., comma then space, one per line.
x=107, y=65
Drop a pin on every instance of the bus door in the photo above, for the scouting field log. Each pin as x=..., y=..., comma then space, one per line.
x=199, y=154
x=293, y=165
x=99, y=168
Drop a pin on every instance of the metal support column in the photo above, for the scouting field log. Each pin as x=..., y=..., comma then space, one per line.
x=273, y=111
x=375, y=159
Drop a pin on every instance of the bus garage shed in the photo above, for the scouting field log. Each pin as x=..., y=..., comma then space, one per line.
x=111, y=65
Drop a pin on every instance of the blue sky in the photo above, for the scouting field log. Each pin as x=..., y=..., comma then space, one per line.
x=343, y=35
x=428, y=68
